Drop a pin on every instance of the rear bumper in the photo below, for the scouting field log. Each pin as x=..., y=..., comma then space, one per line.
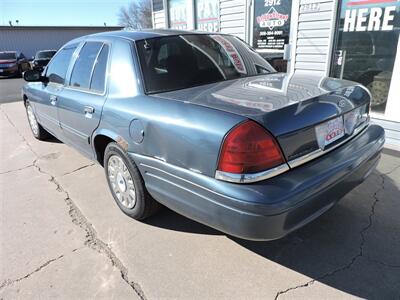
x=268, y=209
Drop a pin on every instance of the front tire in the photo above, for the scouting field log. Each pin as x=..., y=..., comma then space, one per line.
x=126, y=184
x=37, y=130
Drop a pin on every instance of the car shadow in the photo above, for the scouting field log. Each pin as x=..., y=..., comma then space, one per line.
x=52, y=139
x=342, y=249
x=168, y=219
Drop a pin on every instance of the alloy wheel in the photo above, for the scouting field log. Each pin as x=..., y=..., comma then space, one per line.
x=121, y=181
x=32, y=120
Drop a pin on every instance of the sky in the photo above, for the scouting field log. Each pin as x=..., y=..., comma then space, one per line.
x=61, y=12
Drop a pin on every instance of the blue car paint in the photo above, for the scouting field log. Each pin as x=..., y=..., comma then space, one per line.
x=182, y=132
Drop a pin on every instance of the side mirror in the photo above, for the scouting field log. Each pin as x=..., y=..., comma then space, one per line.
x=34, y=76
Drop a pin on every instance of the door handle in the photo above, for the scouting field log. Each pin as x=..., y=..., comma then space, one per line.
x=89, y=110
x=53, y=99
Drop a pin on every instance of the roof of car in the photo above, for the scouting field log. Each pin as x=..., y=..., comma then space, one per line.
x=136, y=35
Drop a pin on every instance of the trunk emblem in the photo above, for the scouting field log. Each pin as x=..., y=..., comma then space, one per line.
x=342, y=103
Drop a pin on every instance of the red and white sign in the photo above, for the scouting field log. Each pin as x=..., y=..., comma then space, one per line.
x=329, y=132
x=272, y=19
x=233, y=54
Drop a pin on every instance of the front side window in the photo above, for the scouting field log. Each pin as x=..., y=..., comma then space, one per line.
x=83, y=67
x=177, y=62
x=58, y=67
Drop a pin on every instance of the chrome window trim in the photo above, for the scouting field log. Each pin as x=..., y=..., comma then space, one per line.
x=89, y=90
x=317, y=153
x=254, y=177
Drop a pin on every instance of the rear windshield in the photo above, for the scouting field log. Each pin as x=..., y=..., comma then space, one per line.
x=178, y=62
x=45, y=54
x=8, y=55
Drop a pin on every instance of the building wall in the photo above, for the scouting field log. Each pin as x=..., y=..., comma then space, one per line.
x=233, y=17
x=314, y=36
x=158, y=16
x=28, y=40
x=159, y=19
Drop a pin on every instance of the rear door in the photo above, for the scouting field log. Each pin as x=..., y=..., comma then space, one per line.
x=81, y=102
x=46, y=94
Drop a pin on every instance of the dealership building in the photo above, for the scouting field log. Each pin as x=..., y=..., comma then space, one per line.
x=30, y=39
x=348, y=39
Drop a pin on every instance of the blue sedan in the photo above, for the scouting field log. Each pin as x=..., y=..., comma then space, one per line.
x=202, y=124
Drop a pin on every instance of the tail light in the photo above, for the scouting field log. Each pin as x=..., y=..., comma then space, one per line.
x=249, y=148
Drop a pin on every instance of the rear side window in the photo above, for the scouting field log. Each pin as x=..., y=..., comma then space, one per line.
x=83, y=67
x=99, y=72
x=58, y=67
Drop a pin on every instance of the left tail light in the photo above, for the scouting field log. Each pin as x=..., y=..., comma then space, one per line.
x=249, y=148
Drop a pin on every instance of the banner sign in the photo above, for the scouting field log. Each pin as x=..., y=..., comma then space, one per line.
x=271, y=24
x=233, y=54
x=207, y=15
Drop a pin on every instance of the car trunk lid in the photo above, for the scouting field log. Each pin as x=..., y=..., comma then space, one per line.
x=289, y=107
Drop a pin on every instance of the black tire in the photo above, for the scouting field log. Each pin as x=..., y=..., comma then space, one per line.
x=145, y=205
x=40, y=133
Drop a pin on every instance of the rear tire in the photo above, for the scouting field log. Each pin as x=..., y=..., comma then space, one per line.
x=37, y=130
x=126, y=184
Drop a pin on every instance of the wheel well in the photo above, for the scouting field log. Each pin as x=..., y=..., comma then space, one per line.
x=100, y=143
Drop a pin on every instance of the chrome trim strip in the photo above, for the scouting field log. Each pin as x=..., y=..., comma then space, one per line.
x=248, y=178
x=317, y=153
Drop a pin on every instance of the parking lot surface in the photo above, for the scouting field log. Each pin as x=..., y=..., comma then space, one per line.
x=10, y=89
x=62, y=236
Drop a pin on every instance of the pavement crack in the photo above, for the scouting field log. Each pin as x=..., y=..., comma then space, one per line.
x=383, y=263
x=360, y=252
x=18, y=132
x=78, y=218
x=391, y=171
x=8, y=282
x=91, y=239
x=78, y=169
x=16, y=170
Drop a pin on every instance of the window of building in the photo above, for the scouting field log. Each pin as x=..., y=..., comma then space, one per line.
x=271, y=24
x=207, y=15
x=99, y=73
x=180, y=14
x=366, y=46
x=83, y=67
x=58, y=67
x=158, y=5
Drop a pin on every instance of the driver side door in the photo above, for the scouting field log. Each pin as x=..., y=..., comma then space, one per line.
x=46, y=94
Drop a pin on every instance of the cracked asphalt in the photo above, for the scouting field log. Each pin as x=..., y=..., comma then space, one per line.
x=62, y=236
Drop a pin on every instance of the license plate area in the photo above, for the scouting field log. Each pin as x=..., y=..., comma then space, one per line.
x=329, y=132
